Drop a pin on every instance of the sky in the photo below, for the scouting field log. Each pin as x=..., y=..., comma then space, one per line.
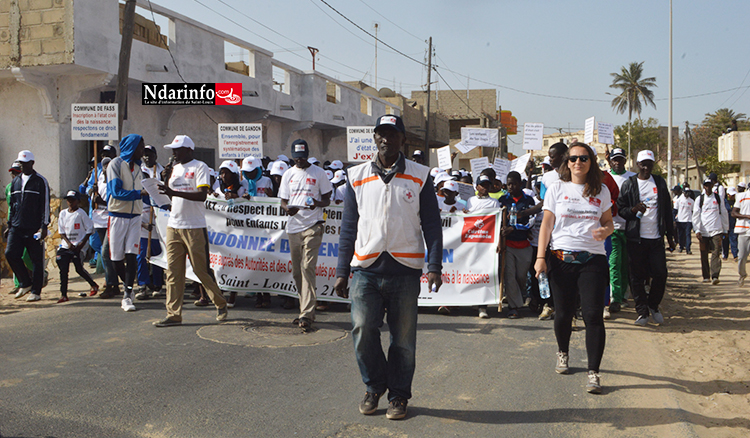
x=562, y=51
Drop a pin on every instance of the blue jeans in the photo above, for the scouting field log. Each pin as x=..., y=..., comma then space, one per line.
x=144, y=278
x=683, y=234
x=371, y=294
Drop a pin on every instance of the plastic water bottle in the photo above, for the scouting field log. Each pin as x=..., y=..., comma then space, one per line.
x=230, y=202
x=513, y=215
x=434, y=288
x=543, y=286
x=640, y=213
x=309, y=201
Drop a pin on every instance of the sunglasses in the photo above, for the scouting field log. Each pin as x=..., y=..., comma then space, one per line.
x=574, y=158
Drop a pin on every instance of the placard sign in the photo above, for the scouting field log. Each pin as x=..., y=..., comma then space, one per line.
x=502, y=168
x=520, y=163
x=360, y=144
x=93, y=121
x=240, y=140
x=444, y=157
x=464, y=149
x=478, y=165
x=533, y=134
x=606, y=133
x=588, y=130
x=484, y=137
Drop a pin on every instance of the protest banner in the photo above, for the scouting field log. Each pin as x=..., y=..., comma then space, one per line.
x=533, y=134
x=463, y=148
x=93, y=121
x=249, y=252
x=606, y=133
x=478, y=165
x=444, y=157
x=588, y=130
x=502, y=168
x=484, y=137
x=240, y=140
x=360, y=144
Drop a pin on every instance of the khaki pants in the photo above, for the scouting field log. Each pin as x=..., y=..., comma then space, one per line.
x=193, y=243
x=712, y=246
x=304, y=248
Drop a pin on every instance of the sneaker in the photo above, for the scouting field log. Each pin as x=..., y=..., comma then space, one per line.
x=741, y=282
x=614, y=307
x=656, y=316
x=201, y=302
x=513, y=314
x=230, y=305
x=562, y=363
x=607, y=314
x=63, y=300
x=483, y=312
x=715, y=281
x=369, y=405
x=547, y=313
x=166, y=322
x=142, y=293
x=706, y=280
x=108, y=292
x=23, y=291
x=305, y=323
x=444, y=310
x=221, y=314
x=688, y=252
x=94, y=290
x=594, y=385
x=396, y=409
x=127, y=305
x=641, y=321
x=33, y=297
x=83, y=294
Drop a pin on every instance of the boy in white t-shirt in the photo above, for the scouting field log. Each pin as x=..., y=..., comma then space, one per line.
x=75, y=228
x=304, y=191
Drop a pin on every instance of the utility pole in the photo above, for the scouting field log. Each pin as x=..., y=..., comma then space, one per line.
x=689, y=135
x=123, y=71
x=313, y=52
x=376, y=55
x=687, y=154
x=429, y=98
x=669, y=132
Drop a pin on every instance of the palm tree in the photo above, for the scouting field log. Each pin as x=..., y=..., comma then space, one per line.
x=632, y=89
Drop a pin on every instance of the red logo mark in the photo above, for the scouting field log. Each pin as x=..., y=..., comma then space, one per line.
x=655, y=190
x=565, y=198
x=409, y=195
x=478, y=229
x=310, y=181
x=190, y=174
x=228, y=94
x=595, y=201
x=76, y=226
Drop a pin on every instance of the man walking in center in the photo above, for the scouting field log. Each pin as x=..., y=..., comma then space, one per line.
x=646, y=205
x=304, y=191
x=390, y=213
x=711, y=223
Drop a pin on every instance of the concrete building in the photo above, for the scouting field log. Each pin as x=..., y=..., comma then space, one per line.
x=734, y=148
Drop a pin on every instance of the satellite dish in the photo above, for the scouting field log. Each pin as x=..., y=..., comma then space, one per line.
x=386, y=92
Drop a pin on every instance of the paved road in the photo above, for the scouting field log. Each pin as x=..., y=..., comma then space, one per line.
x=87, y=369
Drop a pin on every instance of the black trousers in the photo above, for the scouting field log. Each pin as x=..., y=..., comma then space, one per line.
x=589, y=281
x=64, y=257
x=18, y=240
x=648, y=259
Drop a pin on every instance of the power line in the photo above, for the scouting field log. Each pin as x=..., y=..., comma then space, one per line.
x=388, y=20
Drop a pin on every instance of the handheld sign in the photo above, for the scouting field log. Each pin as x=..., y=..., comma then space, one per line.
x=464, y=149
x=588, y=133
x=478, y=165
x=484, y=137
x=240, y=140
x=533, y=134
x=502, y=168
x=94, y=121
x=606, y=133
x=444, y=157
x=360, y=144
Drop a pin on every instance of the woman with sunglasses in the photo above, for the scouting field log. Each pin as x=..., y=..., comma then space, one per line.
x=577, y=220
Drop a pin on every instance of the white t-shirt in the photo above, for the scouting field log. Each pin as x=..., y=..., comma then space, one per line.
x=534, y=231
x=221, y=195
x=712, y=218
x=99, y=216
x=188, y=177
x=339, y=194
x=576, y=217
x=619, y=179
x=476, y=203
x=75, y=225
x=684, y=206
x=460, y=205
x=742, y=201
x=548, y=179
x=263, y=183
x=650, y=219
x=296, y=186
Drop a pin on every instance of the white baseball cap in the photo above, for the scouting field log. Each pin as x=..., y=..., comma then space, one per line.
x=547, y=161
x=181, y=141
x=742, y=184
x=442, y=177
x=25, y=156
x=329, y=174
x=731, y=191
x=451, y=185
x=279, y=167
x=338, y=177
x=231, y=166
x=645, y=155
x=313, y=160
x=282, y=157
x=336, y=165
x=251, y=163
x=434, y=171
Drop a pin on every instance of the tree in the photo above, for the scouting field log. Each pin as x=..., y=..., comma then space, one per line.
x=642, y=135
x=633, y=89
x=706, y=139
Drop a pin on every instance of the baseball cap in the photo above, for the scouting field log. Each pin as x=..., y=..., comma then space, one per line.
x=712, y=176
x=250, y=163
x=547, y=161
x=417, y=153
x=731, y=191
x=181, y=141
x=442, y=177
x=300, y=149
x=390, y=120
x=338, y=177
x=279, y=167
x=456, y=174
x=313, y=160
x=231, y=166
x=434, y=171
x=15, y=167
x=483, y=179
x=707, y=181
x=282, y=157
x=742, y=184
x=336, y=165
x=72, y=194
x=451, y=185
x=617, y=152
x=329, y=174
x=25, y=157
x=645, y=155
x=108, y=148
x=150, y=148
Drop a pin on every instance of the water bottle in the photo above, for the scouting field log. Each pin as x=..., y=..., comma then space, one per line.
x=309, y=201
x=230, y=202
x=543, y=286
x=513, y=215
x=434, y=288
x=640, y=213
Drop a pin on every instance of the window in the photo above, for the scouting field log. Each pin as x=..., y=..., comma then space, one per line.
x=280, y=79
x=333, y=92
x=239, y=59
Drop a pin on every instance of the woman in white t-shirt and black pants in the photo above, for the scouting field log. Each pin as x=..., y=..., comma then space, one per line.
x=577, y=220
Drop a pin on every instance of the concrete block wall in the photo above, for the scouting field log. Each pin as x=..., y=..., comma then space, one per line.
x=35, y=32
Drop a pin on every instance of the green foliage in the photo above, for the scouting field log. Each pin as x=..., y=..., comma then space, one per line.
x=706, y=139
x=633, y=89
x=644, y=135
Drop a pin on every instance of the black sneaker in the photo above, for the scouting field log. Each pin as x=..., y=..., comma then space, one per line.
x=108, y=292
x=166, y=322
x=369, y=405
x=614, y=307
x=396, y=409
x=142, y=293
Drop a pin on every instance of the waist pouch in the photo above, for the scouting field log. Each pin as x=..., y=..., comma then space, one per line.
x=576, y=257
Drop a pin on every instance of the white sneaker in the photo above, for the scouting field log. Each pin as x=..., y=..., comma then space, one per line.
x=547, y=313
x=483, y=312
x=741, y=282
x=33, y=297
x=607, y=315
x=127, y=305
x=23, y=291
x=715, y=281
x=562, y=363
x=656, y=316
x=594, y=385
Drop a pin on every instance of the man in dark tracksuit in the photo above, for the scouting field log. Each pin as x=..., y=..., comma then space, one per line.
x=29, y=211
x=646, y=253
